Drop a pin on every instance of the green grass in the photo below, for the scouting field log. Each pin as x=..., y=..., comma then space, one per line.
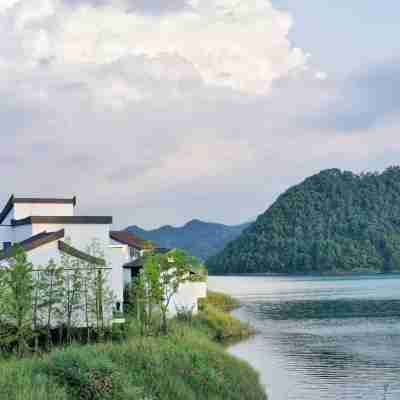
x=187, y=364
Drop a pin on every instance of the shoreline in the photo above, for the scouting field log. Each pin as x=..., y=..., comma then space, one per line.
x=305, y=275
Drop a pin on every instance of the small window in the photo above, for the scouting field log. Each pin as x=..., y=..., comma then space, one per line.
x=6, y=245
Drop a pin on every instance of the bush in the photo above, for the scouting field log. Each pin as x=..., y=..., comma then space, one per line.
x=220, y=301
x=221, y=326
x=88, y=374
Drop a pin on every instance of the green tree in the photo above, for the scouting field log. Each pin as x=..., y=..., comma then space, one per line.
x=99, y=297
x=72, y=294
x=18, y=286
x=162, y=276
x=52, y=282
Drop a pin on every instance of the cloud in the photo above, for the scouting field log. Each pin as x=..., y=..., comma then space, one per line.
x=152, y=7
x=205, y=110
x=365, y=99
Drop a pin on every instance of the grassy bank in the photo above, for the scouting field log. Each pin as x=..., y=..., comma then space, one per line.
x=188, y=364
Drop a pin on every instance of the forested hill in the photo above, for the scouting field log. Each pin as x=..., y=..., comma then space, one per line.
x=333, y=221
x=201, y=239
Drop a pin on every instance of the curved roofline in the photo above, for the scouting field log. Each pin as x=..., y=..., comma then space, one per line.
x=33, y=200
x=34, y=242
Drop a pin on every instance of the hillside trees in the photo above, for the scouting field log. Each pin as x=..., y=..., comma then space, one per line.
x=332, y=222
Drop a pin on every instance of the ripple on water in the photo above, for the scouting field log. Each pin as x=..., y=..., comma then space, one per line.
x=321, y=338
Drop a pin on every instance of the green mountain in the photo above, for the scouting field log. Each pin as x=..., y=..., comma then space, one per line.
x=198, y=238
x=332, y=222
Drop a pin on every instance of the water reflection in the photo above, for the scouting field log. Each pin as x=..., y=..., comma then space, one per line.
x=322, y=338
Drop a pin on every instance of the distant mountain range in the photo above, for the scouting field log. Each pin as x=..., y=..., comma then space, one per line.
x=201, y=239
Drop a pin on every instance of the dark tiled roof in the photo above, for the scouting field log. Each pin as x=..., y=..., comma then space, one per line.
x=34, y=242
x=35, y=200
x=72, y=251
x=61, y=220
x=130, y=240
x=139, y=263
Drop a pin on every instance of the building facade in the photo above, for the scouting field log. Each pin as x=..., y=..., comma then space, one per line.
x=48, y=227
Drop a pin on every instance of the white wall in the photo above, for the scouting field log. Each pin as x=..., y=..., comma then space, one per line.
x=187, y=297
x=42, y=255
x=22, y=232
x=7, y=232
x=116, y=258
x=24, y=210
x=81, y=235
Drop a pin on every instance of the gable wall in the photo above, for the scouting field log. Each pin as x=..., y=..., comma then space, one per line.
x=23, y=210
x=81, y=235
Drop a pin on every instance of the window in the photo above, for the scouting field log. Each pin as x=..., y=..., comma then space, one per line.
x=134, y=253
x=6, y=245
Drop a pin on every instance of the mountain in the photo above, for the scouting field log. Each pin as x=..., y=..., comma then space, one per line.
x=332, y=222
x=201, y=239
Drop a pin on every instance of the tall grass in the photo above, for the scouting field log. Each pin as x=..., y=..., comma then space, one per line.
x=221, y=301
x=187, y=364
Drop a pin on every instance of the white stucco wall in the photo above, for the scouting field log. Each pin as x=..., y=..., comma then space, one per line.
x=81, y=235
x=7, y=232
x=22, y=232
x=187, y=297
x=42, y=255
x=116, y=258
x=24, y=210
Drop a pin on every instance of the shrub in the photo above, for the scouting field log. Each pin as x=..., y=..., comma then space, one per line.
x=88, y=374
x=220, y=301
x=221, y=326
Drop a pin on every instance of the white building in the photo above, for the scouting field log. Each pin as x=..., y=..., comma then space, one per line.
x=42, y=225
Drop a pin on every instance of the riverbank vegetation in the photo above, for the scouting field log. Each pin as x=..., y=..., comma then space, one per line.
x=144, y=358
x=333, y=222
x=189, y=363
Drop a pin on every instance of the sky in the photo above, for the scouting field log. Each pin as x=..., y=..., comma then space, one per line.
x=161, y=111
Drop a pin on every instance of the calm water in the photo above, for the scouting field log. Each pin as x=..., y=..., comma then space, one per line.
x=321, y=338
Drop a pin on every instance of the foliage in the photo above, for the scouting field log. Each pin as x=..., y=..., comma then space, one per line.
x=51, y=282
x=184, y=365
x=215, y=320
x=40, y=306
x=332, y=222
x=17, y=298
x=71, y=303
x=202, y=239
x=99, y=297
x=158, y=282
x=220, y=301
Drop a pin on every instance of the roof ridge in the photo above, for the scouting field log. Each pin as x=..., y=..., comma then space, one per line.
x=46, y=200
x=34, y=242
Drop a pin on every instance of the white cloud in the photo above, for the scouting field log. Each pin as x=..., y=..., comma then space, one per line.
x=239, y=45
x=161, y=117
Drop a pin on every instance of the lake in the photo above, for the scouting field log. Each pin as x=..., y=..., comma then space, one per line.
x=321, y=338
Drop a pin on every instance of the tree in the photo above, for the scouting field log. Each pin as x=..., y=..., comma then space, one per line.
x=18, y=286
x=99, y=298
x=52, y=282
x=71, y=300
x=162, y=275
